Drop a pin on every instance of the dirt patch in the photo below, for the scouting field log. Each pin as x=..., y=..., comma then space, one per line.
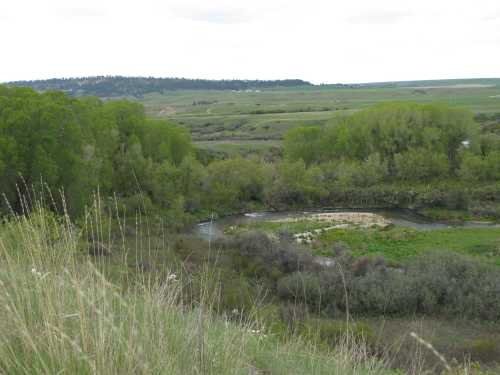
x=167, y=110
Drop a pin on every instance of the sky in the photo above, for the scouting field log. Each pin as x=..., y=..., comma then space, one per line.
x=322, y=41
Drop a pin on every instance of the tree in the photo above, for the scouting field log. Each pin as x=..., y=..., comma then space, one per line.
x=303, y=143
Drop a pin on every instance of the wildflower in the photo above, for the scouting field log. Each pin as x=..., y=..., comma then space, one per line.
x=172, y=277
x=258, y=332
x=36, y=273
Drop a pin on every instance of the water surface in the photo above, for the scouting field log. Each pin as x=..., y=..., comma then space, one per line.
x=399, y=217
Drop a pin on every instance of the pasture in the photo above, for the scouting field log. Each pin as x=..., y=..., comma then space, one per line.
x=257, y=116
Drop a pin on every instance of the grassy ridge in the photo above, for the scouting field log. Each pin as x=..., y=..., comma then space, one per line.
x=61, y=315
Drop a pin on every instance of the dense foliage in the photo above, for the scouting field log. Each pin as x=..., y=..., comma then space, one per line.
x=393, y=155
x=110, y=86
x=400, y=154
x=81, y=145
x=400, y=136
x=433, y=283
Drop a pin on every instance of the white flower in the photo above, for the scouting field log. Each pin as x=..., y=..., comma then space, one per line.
x=258, y=332
x=36, y=273
x=172, y=277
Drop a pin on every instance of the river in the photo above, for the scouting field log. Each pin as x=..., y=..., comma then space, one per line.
x=399, y=217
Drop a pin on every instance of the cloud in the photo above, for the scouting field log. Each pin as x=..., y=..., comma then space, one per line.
x=217, y=15
x=81, y=12
x=378, y=17
x=4, y=13
x=492, y=17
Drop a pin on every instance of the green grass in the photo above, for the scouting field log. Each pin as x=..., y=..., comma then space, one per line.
x=444, y=214
x=61, y=315
x=400, y=243
x=396, y=244
x=450, y=337
x=238, y=147
x=269, y=113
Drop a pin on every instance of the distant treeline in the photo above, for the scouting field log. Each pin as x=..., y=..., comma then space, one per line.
x=112, y=86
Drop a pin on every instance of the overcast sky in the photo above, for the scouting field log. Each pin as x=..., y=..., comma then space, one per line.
x=318, y=40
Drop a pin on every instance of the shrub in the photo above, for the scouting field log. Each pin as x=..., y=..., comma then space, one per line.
x=331, y=332
x=484, y=350
x=302, y=288
x=268, y=255
x=433, y=283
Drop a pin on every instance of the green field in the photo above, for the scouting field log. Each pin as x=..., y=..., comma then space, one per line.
x=400, y=243
x=394, y=244
x=238, y=147
x=214, y=116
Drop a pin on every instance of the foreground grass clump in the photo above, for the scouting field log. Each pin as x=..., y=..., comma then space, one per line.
x=61, y=315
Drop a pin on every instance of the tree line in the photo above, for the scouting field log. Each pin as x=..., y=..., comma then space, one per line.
x=392, y=155
x=400, y=142
x=117, y=86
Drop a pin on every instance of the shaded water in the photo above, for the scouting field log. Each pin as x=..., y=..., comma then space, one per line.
x=404, y=218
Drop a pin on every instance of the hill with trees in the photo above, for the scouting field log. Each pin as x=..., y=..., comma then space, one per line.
x=117, y=86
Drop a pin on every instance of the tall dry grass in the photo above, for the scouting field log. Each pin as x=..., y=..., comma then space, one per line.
x=61, y=315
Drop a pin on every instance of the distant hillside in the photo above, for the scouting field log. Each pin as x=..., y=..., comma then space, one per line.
x=118, y=86
x=136, y=86
x=435, y=83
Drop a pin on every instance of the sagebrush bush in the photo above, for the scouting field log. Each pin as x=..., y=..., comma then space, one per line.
x=432, y=283
x=267, y=255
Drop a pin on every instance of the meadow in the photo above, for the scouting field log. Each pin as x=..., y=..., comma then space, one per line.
x=251, y=119
x=394, y=244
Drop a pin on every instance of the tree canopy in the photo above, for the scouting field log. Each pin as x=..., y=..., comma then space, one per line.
x=79, y=145
x=411, y=142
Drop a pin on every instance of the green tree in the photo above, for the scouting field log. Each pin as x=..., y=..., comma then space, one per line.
x=303, y=143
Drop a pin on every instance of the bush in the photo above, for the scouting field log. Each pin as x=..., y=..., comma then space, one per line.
x=302, y=288
x=270, y=257
x=433, y=283
x=331, y=332
x=484, y=350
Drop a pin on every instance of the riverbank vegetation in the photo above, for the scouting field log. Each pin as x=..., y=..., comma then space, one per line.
x=184, y=308
x=393, y=155
x=61, y=314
